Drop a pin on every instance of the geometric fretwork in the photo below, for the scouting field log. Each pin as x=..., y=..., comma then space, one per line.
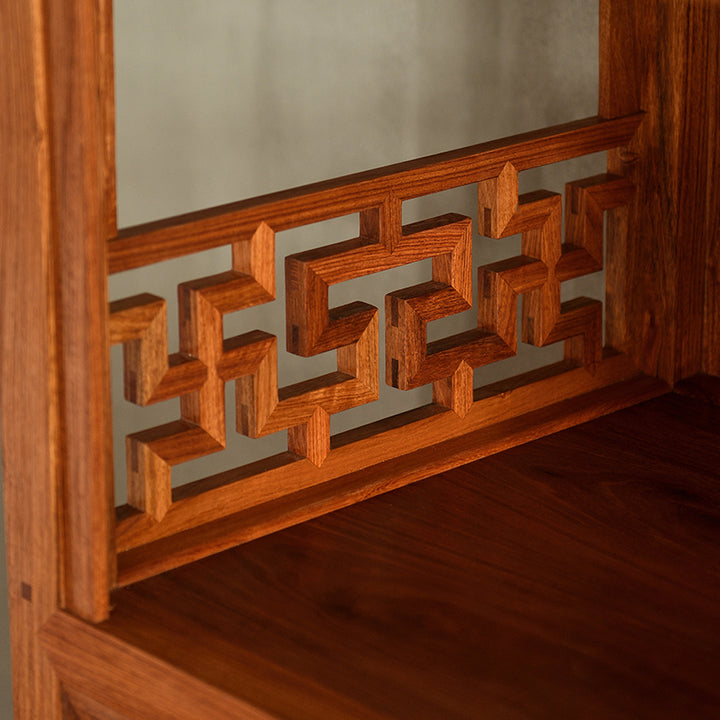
x=207, y=361
x=383, y=244
x=546, y=262
x=536, y=274
x=197, y=373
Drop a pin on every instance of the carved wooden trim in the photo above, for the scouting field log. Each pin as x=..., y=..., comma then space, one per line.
x=207, y=360
x=165, y=239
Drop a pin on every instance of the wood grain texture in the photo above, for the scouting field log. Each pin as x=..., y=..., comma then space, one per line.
x=197, y=374
x=662, y=57
x=202, y=230
x=77, y=38
x=314, y=327
x=545, y=263
x=28, y=360
x=711, y=101
x=207, y=360
x=586, y=202
x=79, y=707
x=574, y=576
x=240, y=505
x=703, y=387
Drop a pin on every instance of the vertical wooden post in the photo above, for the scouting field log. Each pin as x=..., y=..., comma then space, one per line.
x=711, y=330
x=79, y=33
x=56, y=212
x=28, y=362
x=663, y=302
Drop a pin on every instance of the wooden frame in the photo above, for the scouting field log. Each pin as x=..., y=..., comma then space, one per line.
x=660, y=128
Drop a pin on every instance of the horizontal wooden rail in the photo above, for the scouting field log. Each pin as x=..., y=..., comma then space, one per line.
x=266, y=480
x=165, y=527
x=149, y=551
x=205, y=229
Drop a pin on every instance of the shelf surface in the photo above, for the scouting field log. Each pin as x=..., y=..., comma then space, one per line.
x=575, y=576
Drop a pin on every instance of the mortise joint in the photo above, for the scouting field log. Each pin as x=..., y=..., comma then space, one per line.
x=26, y=591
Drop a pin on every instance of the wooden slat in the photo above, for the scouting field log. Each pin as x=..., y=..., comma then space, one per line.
x=28, y=356
x=205, y=229
x=78, y=36
x=200, y=526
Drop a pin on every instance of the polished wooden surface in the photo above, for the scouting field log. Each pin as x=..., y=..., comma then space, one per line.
x=561, y=579
x=28, y=403
x=172, y=237
x=239, y=505
x=663, y=294
x=79, y=66
x=207, y=359
x=573, y=576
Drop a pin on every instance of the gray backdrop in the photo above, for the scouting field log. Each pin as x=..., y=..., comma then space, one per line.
x=223, y=99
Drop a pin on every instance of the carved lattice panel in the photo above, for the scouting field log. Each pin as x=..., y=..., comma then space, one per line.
x=241, y=502
x=206, y=361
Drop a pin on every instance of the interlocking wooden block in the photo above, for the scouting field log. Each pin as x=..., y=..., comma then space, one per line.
x=312, y=326
x=206, y=361
x=197, y=374
x=538, y=217
x=383, y=244
x=150, y=375
x=448, y=363
x=304, y=408
x=585, y=204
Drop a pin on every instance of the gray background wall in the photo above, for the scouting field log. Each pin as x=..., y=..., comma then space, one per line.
x=223, y=99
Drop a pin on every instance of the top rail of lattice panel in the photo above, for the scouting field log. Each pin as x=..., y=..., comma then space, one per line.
x=205, y=229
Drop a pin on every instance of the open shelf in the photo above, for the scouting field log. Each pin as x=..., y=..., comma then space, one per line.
x=574, y=576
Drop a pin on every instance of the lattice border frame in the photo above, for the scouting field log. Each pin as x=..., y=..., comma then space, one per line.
x=313, y=327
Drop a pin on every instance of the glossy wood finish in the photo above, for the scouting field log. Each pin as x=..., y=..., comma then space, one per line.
x=207, y=359
x=57, y=208
x=205, y=229
x=29, y=403
x=238, y=505
x=574, y=576
x=663, y=299
x=565, y=585
x=79, y=79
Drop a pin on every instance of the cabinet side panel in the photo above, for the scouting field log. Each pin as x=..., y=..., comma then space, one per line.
x=28, y=401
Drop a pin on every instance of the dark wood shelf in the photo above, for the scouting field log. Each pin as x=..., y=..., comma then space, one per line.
x=577, y=576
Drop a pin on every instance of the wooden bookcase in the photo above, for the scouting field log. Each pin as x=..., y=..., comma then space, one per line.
x=97, y=592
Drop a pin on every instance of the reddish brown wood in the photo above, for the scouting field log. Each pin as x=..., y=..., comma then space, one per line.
x=703, y=387
x=58, y=218
x=663, y=58
x=193, y=232
x=197, y=374
x=150, y=374
x=240, y=505
x=585, y=204
x=77, y=37
x=710, y=45
x=208, y=361
x=28, y=357
x=79, y=707
x=537, y=216
x=542, y=582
